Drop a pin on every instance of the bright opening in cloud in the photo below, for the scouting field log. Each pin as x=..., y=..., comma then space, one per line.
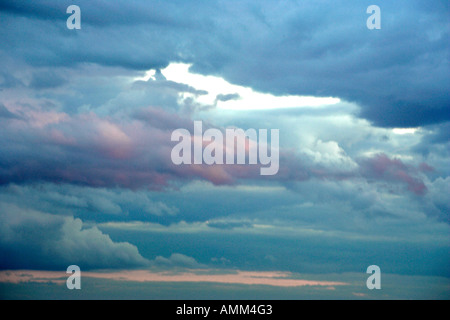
x=405, y=130
x=233, y=97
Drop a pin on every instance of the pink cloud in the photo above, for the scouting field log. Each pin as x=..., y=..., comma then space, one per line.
x=381, y=167
x=277, y=279
x=359, y=294
x=135, y=153
x=102, y=152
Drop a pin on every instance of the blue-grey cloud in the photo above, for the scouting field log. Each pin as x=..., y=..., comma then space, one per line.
x=6, y=114
x=46, y=80
x=398, y=74
x=85, y=170
x=33, y=239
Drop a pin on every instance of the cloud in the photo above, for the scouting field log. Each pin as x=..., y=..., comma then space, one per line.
x=86, y=117
x=329, y=155
x=326, y=50
x=97, y=204
x=131, y=148
x=46, y=80
x=33, y=239
x=382, y=167
x=278, y=279
x=439, y=204
x=161, y=119
x=305, y=48
x=141, y=284
x=6, y=114
x=177, y=260
x=228, y=225
x=103, y=153
x=133, y=153
x=227, y=97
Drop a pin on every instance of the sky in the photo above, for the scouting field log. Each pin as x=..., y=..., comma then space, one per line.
x=87, y=178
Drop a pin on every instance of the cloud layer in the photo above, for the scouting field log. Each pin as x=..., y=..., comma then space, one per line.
x=30, y=238
x=397, y=74
x=86, y=118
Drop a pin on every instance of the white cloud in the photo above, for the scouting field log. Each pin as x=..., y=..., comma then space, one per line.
x=329, y=155
x=36, y=239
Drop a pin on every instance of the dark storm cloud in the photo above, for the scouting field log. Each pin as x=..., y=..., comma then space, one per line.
x=50, y=43
x=398, y=74
x=106, y=13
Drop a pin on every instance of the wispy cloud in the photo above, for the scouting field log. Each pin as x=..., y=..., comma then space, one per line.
x=278, y=279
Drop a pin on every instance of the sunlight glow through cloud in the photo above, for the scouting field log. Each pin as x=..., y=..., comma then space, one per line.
x=405, y=130
x=233, y=97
